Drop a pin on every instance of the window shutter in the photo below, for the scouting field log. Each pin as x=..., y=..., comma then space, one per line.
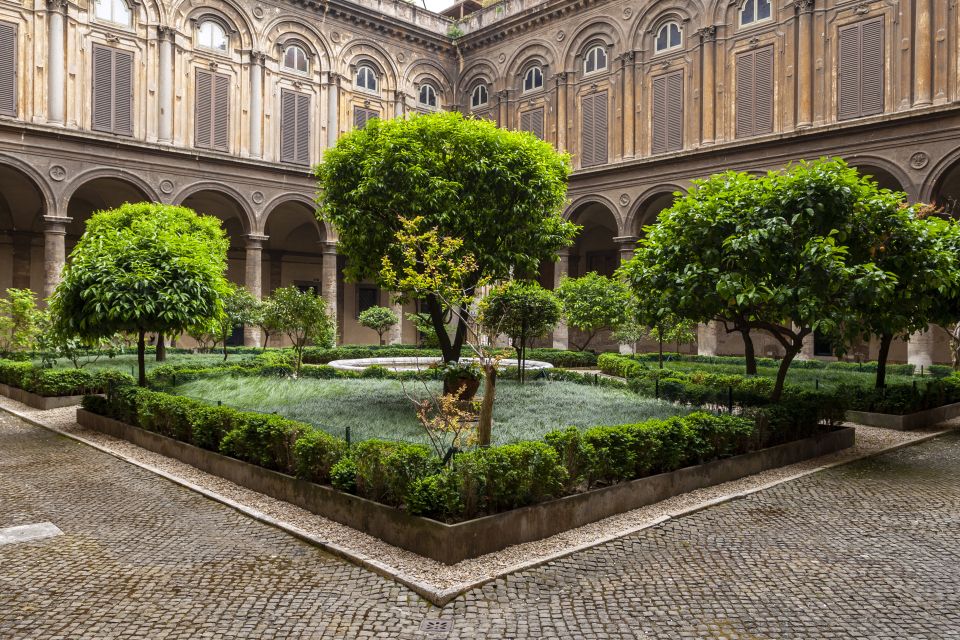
x=212, y=111
x=102, y=119
x=303, y=129
x=745, y=94
x=871, y=66
x=221, y=112
x=362, y=116
x=203, y=97
x=848, y=75
x=532, y=121
x=288, y=126
x=659, y=115
x=8, y=69
x=122, y=92
x=587, y=126
x=667, y=111
x=754, y=99
x=600, y=126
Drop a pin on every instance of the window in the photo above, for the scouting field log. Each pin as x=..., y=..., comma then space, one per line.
x=367, y=297
x=8, y=69
x=362, y=116
x=754, y=96
x=593, y=129
x=210, y=35
x=667, y=108
x=754, y=11
x=860, y=69
x=532, y=121
x=668, y=37
x=112, y=91
x=480, y=96
x=212, y=110
x=294, y=127
x=295, y=59
x=428, y=96
x=366, y=78
x=115, y=11
x=533, y=79
x=595, y=60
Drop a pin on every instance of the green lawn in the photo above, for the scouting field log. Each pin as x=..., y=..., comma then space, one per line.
x=379, y=409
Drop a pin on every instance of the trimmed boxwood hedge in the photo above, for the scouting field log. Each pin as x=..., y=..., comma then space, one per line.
x=57, y=382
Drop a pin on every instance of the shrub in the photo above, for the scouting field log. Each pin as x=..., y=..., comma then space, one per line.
x=385, y=470
x=576, y=455
x=57, y=382
x=316, y=453
x=564, y=358
x=343, y=475
x=264, y=439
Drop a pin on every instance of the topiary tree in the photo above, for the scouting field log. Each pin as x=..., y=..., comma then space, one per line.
x=593, y=303
x=522, y=311
x=239, y=308
x=380, y=319
x=499, y=193
x=142, y=268
x=302, y=317
x=19, y=320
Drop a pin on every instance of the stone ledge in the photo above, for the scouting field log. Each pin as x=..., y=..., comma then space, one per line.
x=907, y=422
x=36, y=401
x=452, y=543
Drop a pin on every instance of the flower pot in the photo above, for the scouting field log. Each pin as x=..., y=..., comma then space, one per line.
x=462, y=388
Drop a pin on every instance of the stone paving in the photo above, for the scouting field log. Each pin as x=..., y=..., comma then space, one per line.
x=866, y=550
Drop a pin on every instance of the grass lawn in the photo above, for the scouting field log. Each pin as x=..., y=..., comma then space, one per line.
x=379, y=408
x=127, y=362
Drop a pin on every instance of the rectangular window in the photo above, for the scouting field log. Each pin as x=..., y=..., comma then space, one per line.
x=860, y=69
x=8, y=69
x=294, y=127
x=367, y=297
x=754, y=101
x=112, y=91
x=532, y=121
x=667, y=110
x=212, y=111
x=362, y=116
x=593, y=129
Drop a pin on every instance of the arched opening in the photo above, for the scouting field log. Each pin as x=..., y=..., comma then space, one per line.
x=21, y=231
x=946, y=192
x=98, y=194
x=594, y=248
x=646, y=214
x=234, y=218
x=882, y=177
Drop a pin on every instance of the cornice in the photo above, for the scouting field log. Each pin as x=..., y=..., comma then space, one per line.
x=532, y=18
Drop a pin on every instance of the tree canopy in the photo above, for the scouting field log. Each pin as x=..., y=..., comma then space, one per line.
x=380, y=319
x=141, y=268
x=522, y=311
x=500, y=193
x=302, y=316
x=592, y=303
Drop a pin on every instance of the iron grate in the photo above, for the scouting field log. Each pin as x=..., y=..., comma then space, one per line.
x=436, y=625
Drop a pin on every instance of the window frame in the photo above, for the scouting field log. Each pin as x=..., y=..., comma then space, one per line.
x=111, y=21
x=669, y=47
x=371, y=73
x=306, y=58
x=216, y=22
x=486, y=96
x=428, y=87
x=756, y=6
x=532, y=71
x=587, y=56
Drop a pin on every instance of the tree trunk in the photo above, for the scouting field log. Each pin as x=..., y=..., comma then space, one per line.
x=749, y=353
x=449, y=350
x=660, y=354
x=141, y=362
x=224, y=348
x=485, y=423
x=791, y=353
x=885, y=341
x=266, y=339
x=161, y=348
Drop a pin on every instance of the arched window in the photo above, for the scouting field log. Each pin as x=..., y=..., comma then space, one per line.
x=295, y=59
x=533, y=79
x=754, y=11
x=668, y=37
x=366, y=78
x=480, y=96
x=211, y=35
x=428, y=96
x=115, y=11
x=595, y=60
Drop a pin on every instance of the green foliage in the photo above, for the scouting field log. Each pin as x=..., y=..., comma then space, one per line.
x=56, y=382
x=593, y=302
x=239, y=308
x=316, y=454
x=522, y=311
x=385, y=470
x=380, y=319
x=19, y=320
x=303, y=317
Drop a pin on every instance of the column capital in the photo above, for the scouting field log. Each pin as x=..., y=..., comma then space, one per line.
x=56, y=224
x=334, y=78
x=707, y=34
x=803, y=6
x=255, y=241
x=626, y=240
x=561, y=77
x=258, y=58
x=166, y=33
x=328, y=247
x=57, y=5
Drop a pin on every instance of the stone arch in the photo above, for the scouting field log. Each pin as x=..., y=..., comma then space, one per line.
x=283, y=31
x=688, y=15
x=600, y=30
x=231, y=14
x=885, y=173
x=24, y=199
x=224, y=202
x=533, y=52
x=649, y=205
x=121, y=175
x=98, y=190
x=13, y=166
x=368, y=51
x=427, y=71
x=595, y=247
x=293, y=251
x=942, y=186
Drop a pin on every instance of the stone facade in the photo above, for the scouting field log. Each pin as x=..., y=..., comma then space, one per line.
x=728, y=86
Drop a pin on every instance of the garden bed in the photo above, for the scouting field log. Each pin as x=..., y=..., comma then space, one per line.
x=451, y=543
x=37, y=401
x=906, y=422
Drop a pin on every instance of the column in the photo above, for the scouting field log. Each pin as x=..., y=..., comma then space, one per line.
x=504, y=103
x=561, y=79
x=333, y=110
x=629, y=110
x=923, y=54
x=256, y=103
x=56, y=62
x=561, y=268
x=328, y=284
x=399, y=104
x=54, y=251
x=253, y=280
x=395, y=335
x=708, y=41
x=920, y=348
x=804, y=63
x=807, y=350
x=708, y=338
x=165, y=82
x=627, y=244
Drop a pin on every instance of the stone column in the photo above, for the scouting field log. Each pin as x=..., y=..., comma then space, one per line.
x=629, y=137
x=808, y=350
x=561, y=334
x=165, y=85
x=504, y=106
x=920, y=348
x=395, y=335
x=333, y=110
x=328, y=284
x=561, y=79
x=627, y=244
x=708, y=338
x=56, y=60
x=923, y=54
x=804, y=63
x=708, y=41
x=399, y=104
x=253, y=280
x=256, y=103
x=54, y=251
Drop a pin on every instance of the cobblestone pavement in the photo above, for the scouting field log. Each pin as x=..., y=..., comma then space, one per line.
x=867, y=550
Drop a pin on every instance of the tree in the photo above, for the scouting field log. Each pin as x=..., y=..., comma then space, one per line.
x=19, y=320
x=267, y=318
x=522, y=311
x=142, y=268
x=593, y=303
x=302, y=317
x=380, y=319
x=239, y=308
x=499, y=193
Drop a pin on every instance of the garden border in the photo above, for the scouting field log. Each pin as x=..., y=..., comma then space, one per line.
x=451, y=543
x=36, y=401
x=905, y=422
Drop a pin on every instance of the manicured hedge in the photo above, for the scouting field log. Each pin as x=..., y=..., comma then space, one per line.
x=901, y=399
x=57, y=382
x=865, y=367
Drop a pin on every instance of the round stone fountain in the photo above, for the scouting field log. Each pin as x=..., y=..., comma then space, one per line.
x=419, y=363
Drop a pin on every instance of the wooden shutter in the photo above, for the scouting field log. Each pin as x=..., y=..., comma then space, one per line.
x=594, y=129
x=212, y=110
x=754, y=99
x=587, y=119
x=860, y=69
x=122, y=92
x=532, y=121
x=362, y=116
x=667, y=113
x=8, y=69
x=294, y=127
x=112, y=91
x=221, y=112
x=202, y=97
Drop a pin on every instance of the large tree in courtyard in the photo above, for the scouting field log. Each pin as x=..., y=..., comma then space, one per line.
x=143, y=268
x=500, y=193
